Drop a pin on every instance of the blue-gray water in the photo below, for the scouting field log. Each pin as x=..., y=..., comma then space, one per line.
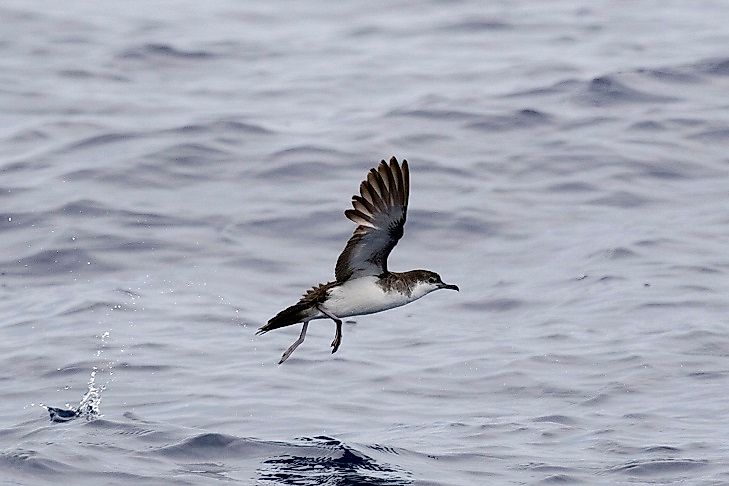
x=172, y=174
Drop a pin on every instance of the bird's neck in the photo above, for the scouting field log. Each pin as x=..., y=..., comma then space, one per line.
x=398, y=282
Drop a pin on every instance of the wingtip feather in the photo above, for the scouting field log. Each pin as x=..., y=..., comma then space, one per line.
x=406, y=180
x=374, y=191
x=389, y=179
x=359, y=218
x=380, y=212
x=368, y=207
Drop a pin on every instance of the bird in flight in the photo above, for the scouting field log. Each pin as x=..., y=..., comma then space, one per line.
x=363, y=284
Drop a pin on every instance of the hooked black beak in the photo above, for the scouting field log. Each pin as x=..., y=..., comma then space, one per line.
x=449, y=287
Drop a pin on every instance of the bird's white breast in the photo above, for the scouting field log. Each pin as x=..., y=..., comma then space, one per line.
x=363, y=296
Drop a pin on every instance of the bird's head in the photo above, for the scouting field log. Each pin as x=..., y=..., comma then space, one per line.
x=428, y=281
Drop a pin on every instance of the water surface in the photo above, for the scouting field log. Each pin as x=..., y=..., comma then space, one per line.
x=173, y=174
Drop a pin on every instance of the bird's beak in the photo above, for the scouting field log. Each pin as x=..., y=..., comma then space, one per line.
x=449, y=287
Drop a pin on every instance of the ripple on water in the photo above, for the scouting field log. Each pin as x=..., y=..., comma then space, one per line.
x=660, y=467
x=30, y=462
x=309, y=151
x=671, y=74
x=574, y=186
x=188, y=155
x=712, y=135
x=435, y=114
x=219, y=127
x=101, y=140
x=493, y=305
x=55, y=262
x=306, y=461
x=617, y=253
x=560, y=479
x=716, y=66
x=621, y=199
x=556, y=419
x=208, y=445
x=608, y=91
x=476, y=25
x=156, y=51
x=521, y=119
x=648, y=125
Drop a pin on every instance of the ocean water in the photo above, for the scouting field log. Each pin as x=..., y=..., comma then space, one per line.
x=172, y=174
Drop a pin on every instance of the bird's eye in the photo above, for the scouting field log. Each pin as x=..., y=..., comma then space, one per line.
x=433, y=280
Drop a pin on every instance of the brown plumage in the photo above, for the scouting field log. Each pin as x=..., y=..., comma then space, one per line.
x=299, y=311
x=380, y=212
x=363, y=284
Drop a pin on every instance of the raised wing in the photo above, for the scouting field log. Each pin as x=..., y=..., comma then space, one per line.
x=379, y=211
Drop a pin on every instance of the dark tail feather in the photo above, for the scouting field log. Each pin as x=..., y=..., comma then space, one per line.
x=287, y=317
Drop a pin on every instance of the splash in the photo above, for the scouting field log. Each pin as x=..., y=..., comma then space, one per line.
x=89, y=406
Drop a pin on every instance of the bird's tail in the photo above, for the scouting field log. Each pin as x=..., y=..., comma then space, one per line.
x=288, y=317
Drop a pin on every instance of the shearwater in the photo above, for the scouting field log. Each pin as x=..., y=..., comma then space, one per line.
x=363, y=283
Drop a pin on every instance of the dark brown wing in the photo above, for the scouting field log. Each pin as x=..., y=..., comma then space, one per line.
x=379, y=211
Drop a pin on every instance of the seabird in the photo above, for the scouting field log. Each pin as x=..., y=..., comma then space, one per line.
x=363, y=284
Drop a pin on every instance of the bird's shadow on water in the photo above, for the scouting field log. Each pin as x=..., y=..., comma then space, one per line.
x=339, y=464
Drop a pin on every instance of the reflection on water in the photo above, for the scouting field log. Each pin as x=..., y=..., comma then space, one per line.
x=340, y=465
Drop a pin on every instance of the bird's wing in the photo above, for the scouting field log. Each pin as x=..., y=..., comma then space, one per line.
x=379, y=212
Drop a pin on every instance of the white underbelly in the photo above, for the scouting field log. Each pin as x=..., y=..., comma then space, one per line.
x=362, y=296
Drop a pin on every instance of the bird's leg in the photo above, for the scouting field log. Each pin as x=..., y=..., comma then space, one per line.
x=338, y=336
x=291, y=349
